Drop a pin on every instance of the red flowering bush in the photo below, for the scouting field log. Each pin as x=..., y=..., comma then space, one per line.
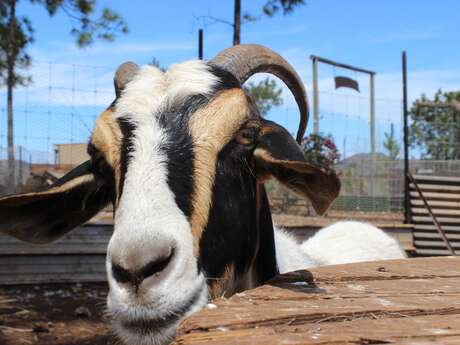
x=320, y=149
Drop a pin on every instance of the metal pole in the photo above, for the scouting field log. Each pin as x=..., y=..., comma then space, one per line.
x=407, y=213
x=341, y=65
x=372, y=131
x=200, y=44
x=315, y=97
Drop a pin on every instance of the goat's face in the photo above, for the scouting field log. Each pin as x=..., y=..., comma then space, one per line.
x=179, y=154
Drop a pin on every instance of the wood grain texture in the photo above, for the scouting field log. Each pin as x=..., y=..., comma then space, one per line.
x=412, y=301
x=78, y=256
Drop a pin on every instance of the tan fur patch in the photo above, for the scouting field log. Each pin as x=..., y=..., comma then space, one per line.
x=211, y=128
x=107, y=138
x=222, y=286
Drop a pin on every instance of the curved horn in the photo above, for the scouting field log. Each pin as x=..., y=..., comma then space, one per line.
x=247, y=59
x=124, y=74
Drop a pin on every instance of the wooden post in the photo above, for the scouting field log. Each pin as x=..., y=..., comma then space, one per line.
x=315, y=97
x=237, y=23
x=200, y=44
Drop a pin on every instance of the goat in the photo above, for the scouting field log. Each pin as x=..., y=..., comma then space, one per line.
x=340, y=243
x=350, y=241
x=182, y=155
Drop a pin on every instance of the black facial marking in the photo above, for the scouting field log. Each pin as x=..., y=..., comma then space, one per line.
x=127, y=129
x=101, y=169
x=265, y=262
x=231, y=233
x=179, y=148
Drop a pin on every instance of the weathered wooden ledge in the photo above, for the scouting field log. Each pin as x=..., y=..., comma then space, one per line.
x=413, y=301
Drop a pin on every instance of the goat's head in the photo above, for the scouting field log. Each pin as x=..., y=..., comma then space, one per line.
x=180, y=154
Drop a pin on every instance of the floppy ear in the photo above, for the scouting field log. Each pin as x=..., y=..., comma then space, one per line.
x=45, y=216
x=278, y=155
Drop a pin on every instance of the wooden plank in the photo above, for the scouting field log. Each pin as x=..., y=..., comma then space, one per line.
x=433, y=340
x=435, y=235
x=49, y=278
x=431, y=252
x=436, y=211
x=431, y=227
x=365, y=303
x=436, y=203
x=436, y=178
x=22, y=269
x=419, y=243
x=84, y=240
x=436, y=187
x=433, y=195
x=442, y=220
x=67, y=248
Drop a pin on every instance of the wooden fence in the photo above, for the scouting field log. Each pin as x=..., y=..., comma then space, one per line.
x=78, y=256
x=410, y=301
x=443, y=196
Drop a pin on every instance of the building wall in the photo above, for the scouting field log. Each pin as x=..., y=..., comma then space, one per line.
x=71, y=154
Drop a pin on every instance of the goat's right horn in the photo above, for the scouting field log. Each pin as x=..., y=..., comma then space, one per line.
x=124, y=74
x=244, y=60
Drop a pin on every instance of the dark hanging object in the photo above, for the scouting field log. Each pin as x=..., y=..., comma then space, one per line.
x=346, y=82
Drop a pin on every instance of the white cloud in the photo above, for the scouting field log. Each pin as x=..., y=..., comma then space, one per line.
x=417, y=34
x=66, y=85
x=135, y=47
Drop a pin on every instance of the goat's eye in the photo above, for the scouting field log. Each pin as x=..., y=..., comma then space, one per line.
x=247, y=136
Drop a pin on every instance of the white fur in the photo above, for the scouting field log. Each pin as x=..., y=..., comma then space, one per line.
x=289, y=254
x=351, y=241
x=148, y=221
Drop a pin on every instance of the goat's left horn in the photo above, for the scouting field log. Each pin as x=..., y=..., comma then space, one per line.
x=124, y=74
x=242, y=61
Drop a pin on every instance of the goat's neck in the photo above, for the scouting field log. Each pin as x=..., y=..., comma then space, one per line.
x=255, y=245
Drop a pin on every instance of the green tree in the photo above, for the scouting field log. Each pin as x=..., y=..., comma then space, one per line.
x=391, y=144
x=155, y=62
x=266, y=93
x=435, y=128
x=16, y=34
x=271, y=7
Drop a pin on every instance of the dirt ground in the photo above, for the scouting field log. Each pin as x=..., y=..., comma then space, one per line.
x=54, y=314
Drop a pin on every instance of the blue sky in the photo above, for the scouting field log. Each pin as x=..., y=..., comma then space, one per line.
x=370, y=34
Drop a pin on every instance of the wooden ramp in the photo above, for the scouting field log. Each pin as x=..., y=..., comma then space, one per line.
x=412, y=301
x=443, y=195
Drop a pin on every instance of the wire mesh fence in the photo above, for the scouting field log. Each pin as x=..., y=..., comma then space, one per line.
x=54, y=116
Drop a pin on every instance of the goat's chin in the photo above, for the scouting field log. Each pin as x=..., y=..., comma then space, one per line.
x=145, y=325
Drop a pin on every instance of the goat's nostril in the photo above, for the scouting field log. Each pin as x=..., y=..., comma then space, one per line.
x=122, y=275
x=154, y=266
